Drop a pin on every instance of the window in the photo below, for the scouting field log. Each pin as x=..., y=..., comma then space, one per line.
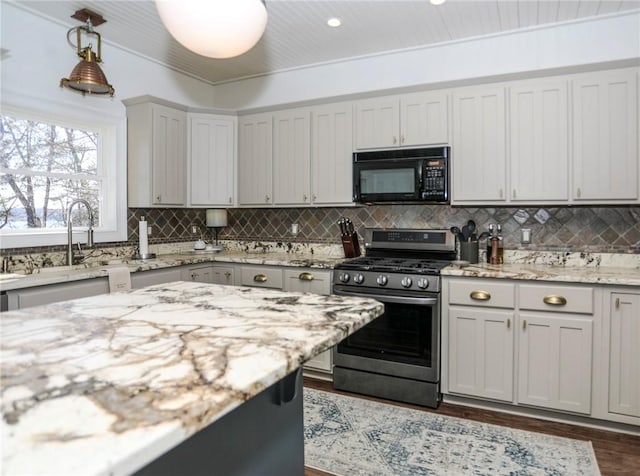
x=46, y=163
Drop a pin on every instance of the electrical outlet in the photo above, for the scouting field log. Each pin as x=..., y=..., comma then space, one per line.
x=149, y=230
x=194, y=229
x=525, y=236
x=294, y=229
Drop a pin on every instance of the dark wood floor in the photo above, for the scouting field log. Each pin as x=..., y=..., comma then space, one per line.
x=617, y=453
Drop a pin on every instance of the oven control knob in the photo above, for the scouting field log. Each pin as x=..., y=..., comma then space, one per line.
x=343, y=277
x=423, y=283
x=358, y=278
x=381, y=280
x=406, y=282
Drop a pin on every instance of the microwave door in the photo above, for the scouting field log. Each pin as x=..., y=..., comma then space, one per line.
x=382, y=182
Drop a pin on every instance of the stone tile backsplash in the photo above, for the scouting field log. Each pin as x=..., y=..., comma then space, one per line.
x=570, y=229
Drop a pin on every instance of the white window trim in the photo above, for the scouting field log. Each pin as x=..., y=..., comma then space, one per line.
x=112, y=131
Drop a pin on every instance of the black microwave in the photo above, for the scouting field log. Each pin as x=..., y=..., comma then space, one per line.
x=402, y=175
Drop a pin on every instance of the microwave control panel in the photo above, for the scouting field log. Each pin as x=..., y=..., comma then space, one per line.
x=435, y=178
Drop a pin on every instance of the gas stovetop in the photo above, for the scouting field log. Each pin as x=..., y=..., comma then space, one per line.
x=395, y=265
x=398, y=259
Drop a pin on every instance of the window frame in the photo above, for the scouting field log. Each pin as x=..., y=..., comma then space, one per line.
x=111, y=163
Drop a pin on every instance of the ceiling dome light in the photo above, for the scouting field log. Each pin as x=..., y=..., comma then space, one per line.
x=437, y=2
x=214, y=28
x=334, y=22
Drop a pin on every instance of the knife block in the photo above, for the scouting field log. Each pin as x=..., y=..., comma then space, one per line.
x=351, y=245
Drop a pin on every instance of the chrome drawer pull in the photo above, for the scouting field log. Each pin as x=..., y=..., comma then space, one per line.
x=260, y=278
x=480, y=295
x=554, y=300
x=508, y=323
x=305, y=277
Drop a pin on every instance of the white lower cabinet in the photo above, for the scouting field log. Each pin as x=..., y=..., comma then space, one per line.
x=222, y=275
x=40, y=295
x=481, y=353
x=198, y=274
x=521, y=343
x=316, y=282
x=555, y=361
x=624, y=356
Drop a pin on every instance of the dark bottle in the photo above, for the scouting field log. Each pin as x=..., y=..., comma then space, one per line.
x=491, y=233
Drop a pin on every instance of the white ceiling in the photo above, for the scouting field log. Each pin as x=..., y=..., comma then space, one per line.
x=297, y=34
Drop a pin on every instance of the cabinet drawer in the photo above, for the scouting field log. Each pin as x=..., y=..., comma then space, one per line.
x=481, y=292
x=262, y=277
x=542, y=297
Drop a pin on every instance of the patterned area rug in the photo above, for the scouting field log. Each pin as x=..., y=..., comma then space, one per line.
x=351, y=436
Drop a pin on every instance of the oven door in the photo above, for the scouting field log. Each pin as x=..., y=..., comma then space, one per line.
x=404, y=341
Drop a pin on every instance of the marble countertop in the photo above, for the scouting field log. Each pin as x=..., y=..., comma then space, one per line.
x=540, y=272
x=106, y=384
x=590, y=268
x=62, y=274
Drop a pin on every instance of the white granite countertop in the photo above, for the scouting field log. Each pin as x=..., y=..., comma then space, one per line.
x=609, y=269
x=63, y=274
x=590, y=268
x=106, y=384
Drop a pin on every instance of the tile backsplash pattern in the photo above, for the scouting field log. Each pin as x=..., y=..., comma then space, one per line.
x=594, y=229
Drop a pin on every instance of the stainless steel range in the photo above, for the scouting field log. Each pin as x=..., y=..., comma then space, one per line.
x=397, y=356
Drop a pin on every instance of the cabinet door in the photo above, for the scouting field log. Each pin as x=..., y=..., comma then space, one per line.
x=198, y=274
x=331, y=159
x=377, y=123
x=169, y=156
x=605, y=134
x=539, y=141
x=316, y=282
x=624, y=364
x=212, y=161
x=307, y=281
x=255, y=160
x=424, y=119
x=478, y=157
x=292, y=158
x=554, y=362
x=42, y=295
x=155, y=276
x=481, y=352
x=222, y=275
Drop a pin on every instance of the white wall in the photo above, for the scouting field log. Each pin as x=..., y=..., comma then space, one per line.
x=35, y=56
x=612, y=39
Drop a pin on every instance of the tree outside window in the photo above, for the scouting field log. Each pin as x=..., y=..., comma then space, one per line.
x=43, y=169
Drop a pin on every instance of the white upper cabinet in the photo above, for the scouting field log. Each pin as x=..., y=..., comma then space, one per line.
x=424, y=118
x=605, y=134
x=402, y=121
x=157, y=154
x=377, y=123
x=478, y=155
x=331, y=154
x=539, y=136
x=292, y=157
x=255, y=183
x=212, y=164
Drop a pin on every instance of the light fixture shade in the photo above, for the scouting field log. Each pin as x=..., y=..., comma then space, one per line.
x=216, y=217
x=214, y=28
x=87, y=77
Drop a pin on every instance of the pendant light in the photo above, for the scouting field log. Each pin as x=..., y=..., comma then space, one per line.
x=215, y=28
x=87, y=77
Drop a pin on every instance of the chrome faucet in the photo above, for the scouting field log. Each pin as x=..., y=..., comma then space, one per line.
x=70, y=254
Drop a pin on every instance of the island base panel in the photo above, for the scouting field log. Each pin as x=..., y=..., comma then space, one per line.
x=263, y=436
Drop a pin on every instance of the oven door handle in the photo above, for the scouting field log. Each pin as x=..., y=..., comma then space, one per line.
x=423, y=301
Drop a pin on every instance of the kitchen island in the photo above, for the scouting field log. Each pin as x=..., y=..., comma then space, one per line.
x=108, y=384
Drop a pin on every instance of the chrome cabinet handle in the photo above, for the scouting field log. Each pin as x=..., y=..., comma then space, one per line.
x=230, y=199
x=508, y=323
x=524, y=324
x=578, y=192
x=480, y=295
x=554, y=300
x=315, y=197
x=394, y=140
x=304, y=197
x=260, y=278
x=305, y=277
x=267, y=198
x=402, y=138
